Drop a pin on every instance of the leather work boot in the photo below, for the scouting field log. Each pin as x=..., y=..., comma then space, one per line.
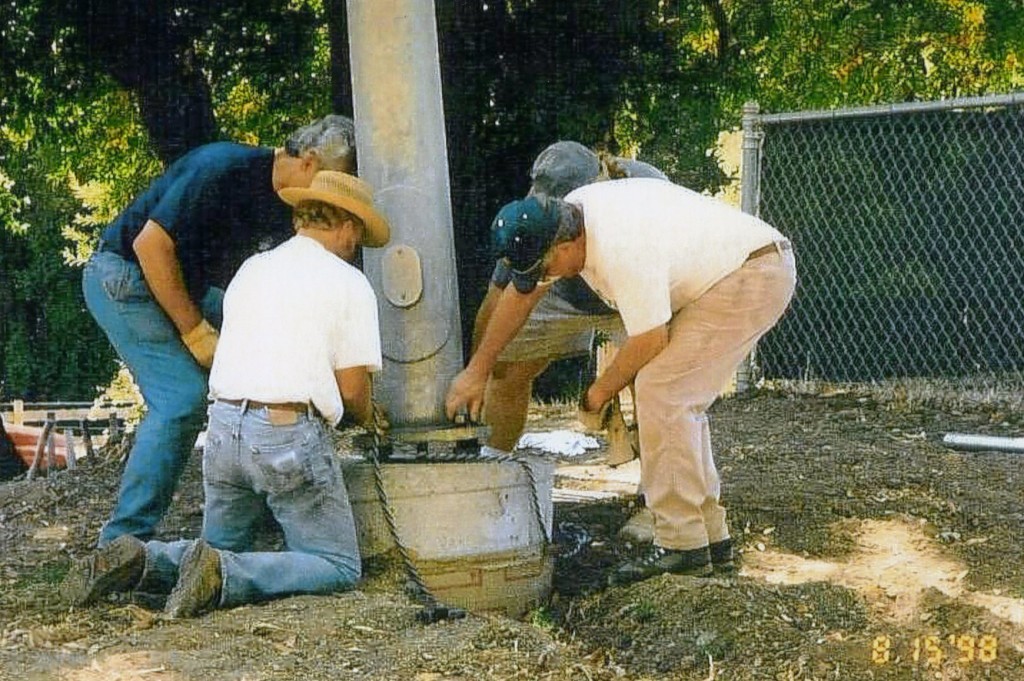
x=723, y=557
x=199, y=582
x=659, y=561
x=118, y=566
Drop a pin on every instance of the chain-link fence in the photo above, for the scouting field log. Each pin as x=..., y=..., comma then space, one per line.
x=908, y=225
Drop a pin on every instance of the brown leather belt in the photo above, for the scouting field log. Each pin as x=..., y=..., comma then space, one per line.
x=774, y=247
x=297, y=407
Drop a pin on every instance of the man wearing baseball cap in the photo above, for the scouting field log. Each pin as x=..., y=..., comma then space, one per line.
x=693, y=283
x=558, y=169
x=299, y=341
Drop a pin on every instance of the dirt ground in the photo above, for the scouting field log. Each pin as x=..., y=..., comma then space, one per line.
x=869, y=551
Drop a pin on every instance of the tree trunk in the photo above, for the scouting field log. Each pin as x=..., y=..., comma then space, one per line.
x=341, y=70
x=143, y=47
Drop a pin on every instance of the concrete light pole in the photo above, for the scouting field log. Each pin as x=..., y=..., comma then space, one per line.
x=480, y=529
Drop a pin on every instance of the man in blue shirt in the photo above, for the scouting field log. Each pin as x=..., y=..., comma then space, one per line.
x=157, y=279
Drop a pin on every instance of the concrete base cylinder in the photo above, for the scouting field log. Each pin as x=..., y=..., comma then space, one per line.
x=471, y=528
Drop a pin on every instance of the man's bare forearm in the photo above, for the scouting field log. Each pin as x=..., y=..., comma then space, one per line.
x=508, y=316
x=634, y=354
x=484, y=314
x=356, y=390
x=160, y=266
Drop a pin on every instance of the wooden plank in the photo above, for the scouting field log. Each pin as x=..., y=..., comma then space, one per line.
x=7, y=406
x=83, y=426
x=71, y=457
x=41, y=444
x=562, y=494
x=21, y=412
x=39, y=415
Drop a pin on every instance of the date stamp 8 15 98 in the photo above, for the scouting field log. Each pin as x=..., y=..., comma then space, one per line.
x=933, y=650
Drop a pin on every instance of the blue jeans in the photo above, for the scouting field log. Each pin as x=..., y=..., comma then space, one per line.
x=250, y=464
x=172, y=384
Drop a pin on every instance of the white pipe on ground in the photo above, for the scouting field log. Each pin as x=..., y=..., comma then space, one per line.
x=983, y=443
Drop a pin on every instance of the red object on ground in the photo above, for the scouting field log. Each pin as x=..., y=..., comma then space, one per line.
x=26, y=440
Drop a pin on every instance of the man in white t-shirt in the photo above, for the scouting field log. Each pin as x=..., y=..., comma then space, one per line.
x=559, y=169
x=695, y=283
x=299, y=341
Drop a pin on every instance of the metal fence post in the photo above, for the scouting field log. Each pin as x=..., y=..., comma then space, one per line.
x=750, y=195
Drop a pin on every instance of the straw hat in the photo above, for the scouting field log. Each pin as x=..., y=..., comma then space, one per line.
x=347, y=192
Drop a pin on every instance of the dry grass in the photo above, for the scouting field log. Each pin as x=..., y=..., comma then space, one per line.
x=996, y=392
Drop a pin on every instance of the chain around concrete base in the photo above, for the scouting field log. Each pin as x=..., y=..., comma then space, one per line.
x=433, y=611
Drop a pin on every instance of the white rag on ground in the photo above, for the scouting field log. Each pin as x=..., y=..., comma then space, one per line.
x=564, y=442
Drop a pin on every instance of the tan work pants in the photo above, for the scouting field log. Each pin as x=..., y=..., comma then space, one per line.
x=707, y=341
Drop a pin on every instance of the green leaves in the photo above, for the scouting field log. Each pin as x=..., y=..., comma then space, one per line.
x=94, y=94
x=10, y=207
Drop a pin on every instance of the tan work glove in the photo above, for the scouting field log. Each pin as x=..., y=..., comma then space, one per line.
x=594, y=420
x=202, y=343
x=623, y=439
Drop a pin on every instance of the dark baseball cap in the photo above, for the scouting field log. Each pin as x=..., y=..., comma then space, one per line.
x=522, y=232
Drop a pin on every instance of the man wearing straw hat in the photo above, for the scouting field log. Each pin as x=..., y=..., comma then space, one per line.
x=157, y=278
x=299, y=341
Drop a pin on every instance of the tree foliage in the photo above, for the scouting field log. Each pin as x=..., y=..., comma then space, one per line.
x=97, y=95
